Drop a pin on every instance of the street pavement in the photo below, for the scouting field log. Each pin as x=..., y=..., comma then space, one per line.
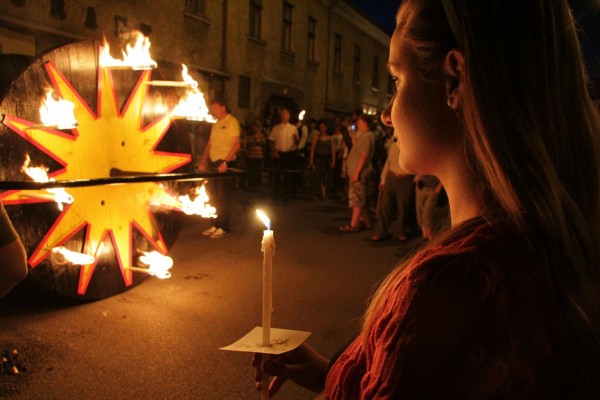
x=161, y=339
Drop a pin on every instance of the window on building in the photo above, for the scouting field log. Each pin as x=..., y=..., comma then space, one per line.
x=375, y=80
x=196, y=7
x=244, y=92
x=356, y=70
x=57, y=9
x=255, y=18
x=286, y=37
x=337, y=54
x=90, y=18
x=312, y=33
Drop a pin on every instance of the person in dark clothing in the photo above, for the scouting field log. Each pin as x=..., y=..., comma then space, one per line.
x=322, y=159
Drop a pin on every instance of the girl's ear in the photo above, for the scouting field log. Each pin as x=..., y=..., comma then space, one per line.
x=454, y=72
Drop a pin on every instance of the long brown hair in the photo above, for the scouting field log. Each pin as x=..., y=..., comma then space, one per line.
x=532, y=136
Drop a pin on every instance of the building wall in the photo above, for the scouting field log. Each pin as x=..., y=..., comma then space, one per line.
x=217, y=48
x=345, y=92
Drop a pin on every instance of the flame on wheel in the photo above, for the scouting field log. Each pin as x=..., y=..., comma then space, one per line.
x=111, y=224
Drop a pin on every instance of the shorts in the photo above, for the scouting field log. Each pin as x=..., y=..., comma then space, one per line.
x=357, y=194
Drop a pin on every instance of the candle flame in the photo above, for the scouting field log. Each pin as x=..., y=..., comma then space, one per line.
x=135, y=57
x=57, y=112
x=62, y=255
x=157, y=264
x=263, y=217
x=301, y=115
x=40, y=174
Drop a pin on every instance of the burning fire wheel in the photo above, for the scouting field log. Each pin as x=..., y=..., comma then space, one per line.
x=109, y=225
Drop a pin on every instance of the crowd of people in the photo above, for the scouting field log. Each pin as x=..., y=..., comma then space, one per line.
x=350, y=158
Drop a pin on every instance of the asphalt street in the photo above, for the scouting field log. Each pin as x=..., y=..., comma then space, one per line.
x=161, y=339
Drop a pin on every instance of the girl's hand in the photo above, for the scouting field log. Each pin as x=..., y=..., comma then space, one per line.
x=303, y=365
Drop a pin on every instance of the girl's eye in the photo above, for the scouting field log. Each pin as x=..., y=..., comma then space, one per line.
x=394, y=84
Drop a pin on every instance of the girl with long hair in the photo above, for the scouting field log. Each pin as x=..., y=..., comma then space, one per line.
x=491, y=98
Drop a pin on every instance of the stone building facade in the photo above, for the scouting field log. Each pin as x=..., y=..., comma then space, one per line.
x=323, y=56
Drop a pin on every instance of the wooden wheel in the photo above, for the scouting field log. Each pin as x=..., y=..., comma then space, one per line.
x=118, y=128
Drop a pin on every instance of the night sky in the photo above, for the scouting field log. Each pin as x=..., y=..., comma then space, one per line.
x=587, y=14
x=383, y=12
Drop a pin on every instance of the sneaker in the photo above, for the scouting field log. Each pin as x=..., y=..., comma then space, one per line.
x=210, y=231
x=219, y=233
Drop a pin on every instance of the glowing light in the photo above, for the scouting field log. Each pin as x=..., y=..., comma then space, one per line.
x=187, y=78
x=156, y=264
x=40, y=174
x=192, y=106
x=114, y=215
x=263, y=217
x=135, y=57
x=61, y=197
x=199, y=206
x=187, y=82
x=57, y=112
x=301, y=115
x=61, y=255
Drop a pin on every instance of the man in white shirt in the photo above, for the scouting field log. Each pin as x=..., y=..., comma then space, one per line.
x=284, y=142
x=221, y=149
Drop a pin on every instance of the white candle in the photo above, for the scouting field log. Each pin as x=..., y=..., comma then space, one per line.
x=268, y=249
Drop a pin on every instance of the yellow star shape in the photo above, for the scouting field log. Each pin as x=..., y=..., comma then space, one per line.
x=110, y=138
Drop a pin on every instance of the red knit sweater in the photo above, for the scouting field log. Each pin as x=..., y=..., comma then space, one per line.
x=470, y=319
